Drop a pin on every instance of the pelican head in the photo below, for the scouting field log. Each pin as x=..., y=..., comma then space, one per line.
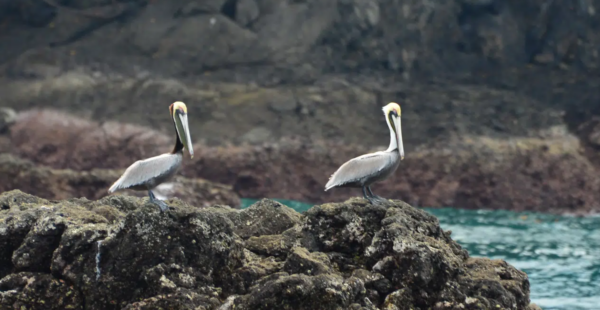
x=392, y=115
x=179, y=113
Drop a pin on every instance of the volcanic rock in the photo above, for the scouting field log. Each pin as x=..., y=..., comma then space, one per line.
x=351, y=255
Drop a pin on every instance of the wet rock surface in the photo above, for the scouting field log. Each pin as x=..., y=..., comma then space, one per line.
x=349, y=255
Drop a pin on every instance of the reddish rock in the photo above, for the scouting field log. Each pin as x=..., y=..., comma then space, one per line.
x=549, y=174
x=49, y=183
x=62, y=140
x=546, y=172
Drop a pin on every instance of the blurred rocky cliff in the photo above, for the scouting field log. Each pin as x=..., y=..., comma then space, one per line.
x=499, y=97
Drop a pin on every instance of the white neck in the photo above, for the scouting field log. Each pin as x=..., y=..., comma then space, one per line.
x=393, y=139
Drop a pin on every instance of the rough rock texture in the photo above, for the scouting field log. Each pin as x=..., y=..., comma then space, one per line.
x=412, y=36
x=268, y=217
x=70, y=255
x=16, y=173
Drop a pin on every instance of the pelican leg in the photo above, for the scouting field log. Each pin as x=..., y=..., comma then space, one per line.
x=161, y=204
x=367, y=197
x=373, y=195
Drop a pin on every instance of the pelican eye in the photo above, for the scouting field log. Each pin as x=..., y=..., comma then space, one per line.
x=394, y=113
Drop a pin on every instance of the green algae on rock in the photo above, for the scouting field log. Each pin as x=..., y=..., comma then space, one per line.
x=120, y=252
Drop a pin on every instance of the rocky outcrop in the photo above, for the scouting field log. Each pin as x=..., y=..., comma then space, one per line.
x=17, y=173
x=120, y=253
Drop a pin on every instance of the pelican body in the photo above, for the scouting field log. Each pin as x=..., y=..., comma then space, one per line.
x=367, y=169
x=147, y=174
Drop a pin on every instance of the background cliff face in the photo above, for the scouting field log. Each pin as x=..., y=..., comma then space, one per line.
x=518, y=73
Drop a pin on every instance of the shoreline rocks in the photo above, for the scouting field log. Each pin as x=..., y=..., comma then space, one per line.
x=544, y=174
x=549, y=171
x=350, y=255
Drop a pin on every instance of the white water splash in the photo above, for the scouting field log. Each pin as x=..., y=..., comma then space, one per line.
x=98, y=261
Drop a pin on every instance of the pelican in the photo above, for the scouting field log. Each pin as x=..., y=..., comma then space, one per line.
x=367, y=169
x=147, y=174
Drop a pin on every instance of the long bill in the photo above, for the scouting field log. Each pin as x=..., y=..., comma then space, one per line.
x=183, y=130
x=399, y=136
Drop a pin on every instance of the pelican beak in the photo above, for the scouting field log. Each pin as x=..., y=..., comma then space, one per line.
x=183, y=130
x=399, y=136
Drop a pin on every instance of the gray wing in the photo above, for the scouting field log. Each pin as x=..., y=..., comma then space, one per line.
x=360, y=167
x=144, y=170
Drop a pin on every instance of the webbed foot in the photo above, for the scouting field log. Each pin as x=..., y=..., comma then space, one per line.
x=161, y=204
x=373, y=197
x=374, y=201
x=379, y=198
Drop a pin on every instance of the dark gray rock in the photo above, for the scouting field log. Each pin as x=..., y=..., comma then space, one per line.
x=300, y=292
x=301, y=261
x=122, y=253
x=29, y=290
x=195, y=7
x=265, y=217
x=247, y=11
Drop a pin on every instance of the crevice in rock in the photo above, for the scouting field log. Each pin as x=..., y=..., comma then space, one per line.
x=471, y=11
x=229, y=8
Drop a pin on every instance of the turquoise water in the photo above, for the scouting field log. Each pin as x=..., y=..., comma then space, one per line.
x=561, y=254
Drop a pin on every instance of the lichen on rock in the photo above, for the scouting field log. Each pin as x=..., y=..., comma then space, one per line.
x=349, y=255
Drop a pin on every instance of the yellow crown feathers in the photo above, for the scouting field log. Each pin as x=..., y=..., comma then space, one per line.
x=178, y=105
x=392, y=106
